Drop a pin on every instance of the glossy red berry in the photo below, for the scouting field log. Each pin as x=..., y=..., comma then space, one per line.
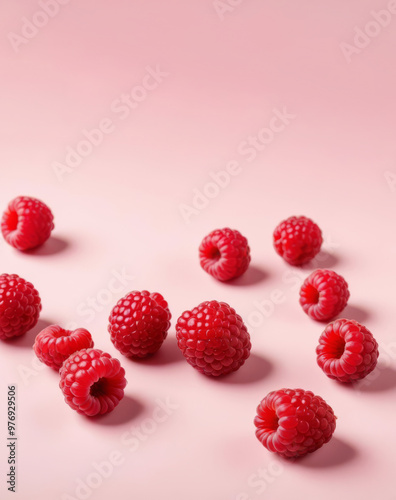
x=27, y=223
x=20, y=306
x=54, y=345
x=324, y=295
x=294, y=422
x=297, y=240
x=92, y=382
x=224, y=254
x=139, y=323
x=213, y=338
x=347, y=351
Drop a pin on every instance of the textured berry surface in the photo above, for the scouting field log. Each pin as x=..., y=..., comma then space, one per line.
x=54, y=345
x=27, y=223
x=347, y=351
x=224, y=254
x=324, y=294
x=213, y=338
x=297, y=240
x=294, y=422
x=20, y=306
x=139, y=323
x=92, y=382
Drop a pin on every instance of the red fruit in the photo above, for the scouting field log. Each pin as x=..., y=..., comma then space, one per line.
x=20, y=306
x=213, y=338
x=224, y=254
x=347, y=351
x=54, y=345
x=324, y=294
x=139, y=323
x=294, y=422
x=297, y=240
x=92, y=382
x=27, y=223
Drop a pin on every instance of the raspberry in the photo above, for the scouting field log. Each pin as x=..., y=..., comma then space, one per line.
x=297, y=240
x=224, y=254
x=347, y=351
x=92, y=382
x=27, y=223
x=324, y=294
x=20, y=306
x=213, y=338
x=294, y=422
x=139, y=323
x=54, y=345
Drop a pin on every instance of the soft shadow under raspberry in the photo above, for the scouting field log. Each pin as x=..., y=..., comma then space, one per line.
x=252, y=276
x=128, y=409
x=357, y=313
x=324, y=260
x=52, y=246
x=27, y=340
x=167, y=354
x=382, y=379
x=255, y=369
x=332, y=454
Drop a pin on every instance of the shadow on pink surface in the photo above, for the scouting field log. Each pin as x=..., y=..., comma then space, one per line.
x=385, y=381
x=128, y=409
x=52, y=246
x=324, y=260
x=256, y=368
x=27, y=340
x=252, y=276
x=334, y=453
x=168, y=353
x=355, y=312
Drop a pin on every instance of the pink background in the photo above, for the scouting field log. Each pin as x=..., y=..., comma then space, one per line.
x=121, y=209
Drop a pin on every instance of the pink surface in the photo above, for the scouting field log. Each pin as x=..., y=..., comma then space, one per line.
x=223, y=73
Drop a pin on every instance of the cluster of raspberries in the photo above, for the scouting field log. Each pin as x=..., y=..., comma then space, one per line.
x=212, y=336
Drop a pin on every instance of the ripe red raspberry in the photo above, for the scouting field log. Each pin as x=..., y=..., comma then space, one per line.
x=27, y=223
x=324, y=294
x=139, y=323
x=92, y=382
x=347, y=351
x=294, y=422
x=20, y=306
x=224, y=254
x=54, y=345
x=213, y=338
x=297, y=240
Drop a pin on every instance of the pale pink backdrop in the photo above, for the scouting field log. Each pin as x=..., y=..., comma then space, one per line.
x=141, y=201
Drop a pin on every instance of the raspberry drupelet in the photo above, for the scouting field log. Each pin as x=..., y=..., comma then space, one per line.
x=347, y=351
x=294, y=422
x=27, y=223
x=213, y=338
x=54, y=345
x=324, y=295
x=20, y=306
x=297, y=240
x=92, y=382
x=224, y=254
x=139, y=323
